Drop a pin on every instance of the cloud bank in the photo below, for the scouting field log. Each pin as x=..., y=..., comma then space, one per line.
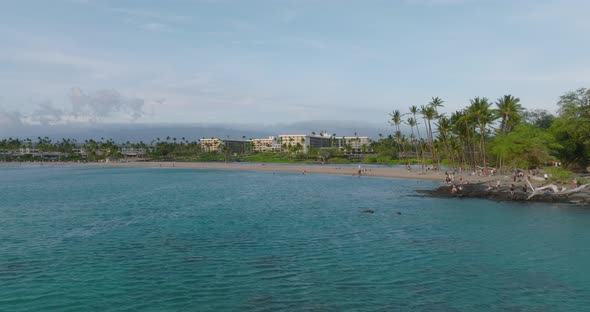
x=86, y=107
x=104, y=103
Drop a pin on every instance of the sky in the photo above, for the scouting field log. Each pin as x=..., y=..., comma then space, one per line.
x=271, y=62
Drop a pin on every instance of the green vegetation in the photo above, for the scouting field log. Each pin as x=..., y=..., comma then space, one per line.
x=501, y=134
x=558, y=174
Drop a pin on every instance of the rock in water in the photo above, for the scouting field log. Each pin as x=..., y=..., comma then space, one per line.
x=368, y=211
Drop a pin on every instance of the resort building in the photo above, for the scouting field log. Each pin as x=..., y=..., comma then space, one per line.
x=133, y=152
x=303, y=142
x=294, y=142
x=79, y=152
x=266, y=145
x=356, y=144
x=30, y=151
x=233, y=146
x=211, y=145
x=238, y=146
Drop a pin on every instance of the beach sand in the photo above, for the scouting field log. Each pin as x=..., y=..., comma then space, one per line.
x=384, y=172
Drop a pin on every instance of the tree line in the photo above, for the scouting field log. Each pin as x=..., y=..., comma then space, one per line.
x=501, y=134
x=485, y=133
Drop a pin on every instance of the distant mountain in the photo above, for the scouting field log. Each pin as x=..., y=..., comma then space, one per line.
x=149, y=132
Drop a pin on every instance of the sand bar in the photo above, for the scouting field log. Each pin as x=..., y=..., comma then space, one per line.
x=368, y=171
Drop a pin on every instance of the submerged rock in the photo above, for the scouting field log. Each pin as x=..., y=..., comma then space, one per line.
x=368, y=211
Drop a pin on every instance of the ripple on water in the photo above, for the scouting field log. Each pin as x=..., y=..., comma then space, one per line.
x=203, y=240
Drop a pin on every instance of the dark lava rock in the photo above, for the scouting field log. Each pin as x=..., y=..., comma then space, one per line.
x=480, y=190
x=368, y=211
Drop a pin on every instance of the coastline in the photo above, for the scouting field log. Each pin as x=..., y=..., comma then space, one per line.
x=381, y=172
x=474, y=186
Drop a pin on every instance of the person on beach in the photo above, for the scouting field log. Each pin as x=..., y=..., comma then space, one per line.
x=524, y=188
x=512, y=190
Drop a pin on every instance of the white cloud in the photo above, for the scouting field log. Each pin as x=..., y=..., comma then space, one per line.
x=104, y=104
x=93, y=107
x=47, y=114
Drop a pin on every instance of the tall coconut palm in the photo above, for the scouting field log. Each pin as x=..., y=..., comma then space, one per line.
x=444, y=130
x=480, y=111
x=509, y=111
x=396, y=120
x=436, y=103
x=414, y=111
x=412, y=123
x=429, y=113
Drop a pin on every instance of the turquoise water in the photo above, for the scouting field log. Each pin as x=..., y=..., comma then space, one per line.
x=129, y=239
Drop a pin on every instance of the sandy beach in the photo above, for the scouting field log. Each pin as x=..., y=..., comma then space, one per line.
x=367, y=171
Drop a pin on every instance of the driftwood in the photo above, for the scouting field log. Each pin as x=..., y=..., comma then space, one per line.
x=556, y=191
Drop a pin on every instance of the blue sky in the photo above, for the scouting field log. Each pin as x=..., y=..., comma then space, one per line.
x=281, y=61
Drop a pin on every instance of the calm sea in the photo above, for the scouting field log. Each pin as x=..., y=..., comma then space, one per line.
x=130, y=239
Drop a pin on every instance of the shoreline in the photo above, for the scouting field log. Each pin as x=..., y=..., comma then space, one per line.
x=475, y=186
x=366, y=171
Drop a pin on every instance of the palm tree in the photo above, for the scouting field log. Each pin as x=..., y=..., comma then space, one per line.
x=436, y=103
x=429, y=113
x=444, y=130
x=509, y=111
x=412, y=123
x=414, y=111
x=396, y=120
x=480, y=111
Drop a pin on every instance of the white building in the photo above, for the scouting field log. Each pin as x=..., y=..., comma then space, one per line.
x=266, y=145
x=211, y=145
x=356, y=143
x=303, y=142
x=292, y=142
x=133, y=152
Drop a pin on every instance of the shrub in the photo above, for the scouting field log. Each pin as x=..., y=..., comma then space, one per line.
x=559, y=174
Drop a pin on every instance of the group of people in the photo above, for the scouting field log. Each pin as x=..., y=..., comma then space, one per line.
x=512, y=187
x=484, y=172
x=491, y=187
x=456, y=189
x=450, y=178
x=362, y=170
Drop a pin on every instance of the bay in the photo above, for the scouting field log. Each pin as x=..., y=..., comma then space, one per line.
x=150, y=239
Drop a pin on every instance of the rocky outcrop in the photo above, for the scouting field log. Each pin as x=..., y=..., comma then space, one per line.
x=545, y=194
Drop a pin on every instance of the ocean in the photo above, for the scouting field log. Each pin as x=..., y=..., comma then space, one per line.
x=141, y=239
